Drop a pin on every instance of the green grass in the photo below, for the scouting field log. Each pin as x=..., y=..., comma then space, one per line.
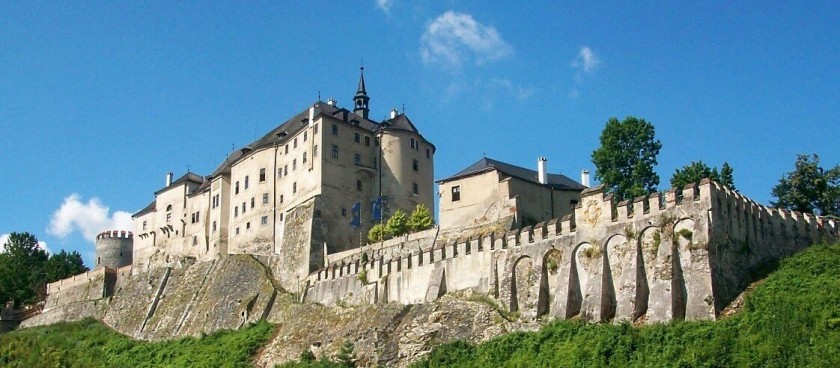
x=790, y=320
x=89, y=343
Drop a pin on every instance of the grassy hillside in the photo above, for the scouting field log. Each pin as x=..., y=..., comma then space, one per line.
x=791, y=320
x=90, y=343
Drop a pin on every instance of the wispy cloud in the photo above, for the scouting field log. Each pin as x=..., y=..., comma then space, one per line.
x=453, y=39
x=89, y=218
x=385, y=5
x=505, y=84
x=5, y=237
x=586, y=60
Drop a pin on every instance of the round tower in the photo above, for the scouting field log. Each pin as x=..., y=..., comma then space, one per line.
x=114, y=249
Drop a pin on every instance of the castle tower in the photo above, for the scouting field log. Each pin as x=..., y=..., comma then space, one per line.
x=114, y=249
x=361, y=99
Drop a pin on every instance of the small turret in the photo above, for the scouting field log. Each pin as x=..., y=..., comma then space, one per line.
x=114, y=249
x=360, y=101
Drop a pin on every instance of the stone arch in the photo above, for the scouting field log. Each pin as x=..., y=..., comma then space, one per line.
x=620, y=281
x=589, y=266
x=653, y=295
x=693, y=298
x=522, y=288
x=549, y=280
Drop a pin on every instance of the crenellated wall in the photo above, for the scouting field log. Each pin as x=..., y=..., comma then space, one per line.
x=672, y=255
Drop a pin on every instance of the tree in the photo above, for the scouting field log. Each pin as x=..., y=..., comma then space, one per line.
x=398, y=223
x=22, y=269
x=624, y=162
x=63, y=265
x=420, y=219
x=696, y=171
x=378, y=233
x=809, y=188
x=346, y=357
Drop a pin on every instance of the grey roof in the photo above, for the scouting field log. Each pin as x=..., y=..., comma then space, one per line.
x=285, y=131
x=556, y=181
x=188, y=177
x=147, y=209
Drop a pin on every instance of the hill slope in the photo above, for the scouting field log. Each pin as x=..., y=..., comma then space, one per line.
x=791, y=319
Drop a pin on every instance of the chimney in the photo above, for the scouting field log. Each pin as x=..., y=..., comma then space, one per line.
x=394, y=113
x=542, y=174
x=584, y=178
x=311, y=115
x=169, y=179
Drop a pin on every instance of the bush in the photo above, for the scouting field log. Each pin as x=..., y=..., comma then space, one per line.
x=420, y=219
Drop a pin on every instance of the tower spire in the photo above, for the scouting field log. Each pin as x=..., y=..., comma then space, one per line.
x=361, y=99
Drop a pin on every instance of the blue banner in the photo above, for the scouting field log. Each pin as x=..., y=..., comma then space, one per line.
x=356, y=215
x=376, y=209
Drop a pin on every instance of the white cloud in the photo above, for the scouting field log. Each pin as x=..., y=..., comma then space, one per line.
x=5, y=237
x=586, y=60
x=455, y=38
x=521, y=93
x=385, y=5
x=89, y=218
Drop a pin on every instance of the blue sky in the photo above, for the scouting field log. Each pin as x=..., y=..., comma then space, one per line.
x=99, y=100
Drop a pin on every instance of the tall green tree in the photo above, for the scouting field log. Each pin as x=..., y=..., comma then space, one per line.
x=625, y=160
x=22, y=276
x=398, y=223
x=809, y=188
x=696, y=171
x=62, y=265
x=420, y=218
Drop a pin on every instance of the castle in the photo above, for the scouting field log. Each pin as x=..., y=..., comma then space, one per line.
x=300, y=200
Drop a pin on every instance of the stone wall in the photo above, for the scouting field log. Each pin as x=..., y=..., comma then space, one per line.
x=658, y=258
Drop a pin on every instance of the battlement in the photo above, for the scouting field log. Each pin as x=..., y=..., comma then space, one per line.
x=114, y=234
x=79, y=279
x=708, y=228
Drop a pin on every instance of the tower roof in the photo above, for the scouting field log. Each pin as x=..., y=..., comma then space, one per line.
x=362, y=89
x=556, y=181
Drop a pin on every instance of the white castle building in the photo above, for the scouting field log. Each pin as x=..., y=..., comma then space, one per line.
x=316, y=182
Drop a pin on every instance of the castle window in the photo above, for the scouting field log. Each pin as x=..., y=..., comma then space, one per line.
x=236, y=188
x=248, y=225
x=335, y=129
x=456, y=193
x=144, y=225
x=374, y=162
x=214, y=226
x=294, y=164
x=279, y=172
x=281, y=216
x=415, y=165
x=304, y=135
x=168, y=217
x=356, y=137
x=246, y=181
x=343, y=212
x=376, y=141
x=315, y=151
x=358, y=185
x=294, y=188
x=195, y=240
x=235, y=211
x=412, y=142
x=285, y=170
x=237, y=231
x=281, y=198
x=428, y=153
x=315, y=129
x=304, y=157
x=286, y=149
x=243, y=208
x=334, y=151
x=262, y=175
x=265, y=198
x=367, y=141
x=357, y=159
x=264, y=220
x=294, y=143
x=416, y=189
x=252, y=202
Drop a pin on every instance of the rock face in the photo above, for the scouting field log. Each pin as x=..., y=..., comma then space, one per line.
x=386, y=334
